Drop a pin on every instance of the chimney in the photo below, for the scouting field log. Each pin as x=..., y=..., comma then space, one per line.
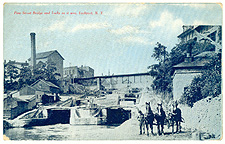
x=33, y=50
x=190, y=45
x=188, y=57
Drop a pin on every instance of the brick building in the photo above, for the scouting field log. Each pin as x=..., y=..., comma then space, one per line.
x=78, y=72
x=53, y=56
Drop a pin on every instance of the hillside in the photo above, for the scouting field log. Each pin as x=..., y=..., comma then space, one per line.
x=205, y=117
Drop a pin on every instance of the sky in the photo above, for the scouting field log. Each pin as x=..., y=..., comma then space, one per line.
x=119, y=39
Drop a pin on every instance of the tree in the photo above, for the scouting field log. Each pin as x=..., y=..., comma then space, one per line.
x=10, y=77
x=206, y=85
x=15, y=78
x=161, y=71
x=25, y=77
x=50, y=71
x=46, y=71
x=160, y=53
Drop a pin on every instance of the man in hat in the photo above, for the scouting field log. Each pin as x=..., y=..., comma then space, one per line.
x=177, y=117
x=141, y=120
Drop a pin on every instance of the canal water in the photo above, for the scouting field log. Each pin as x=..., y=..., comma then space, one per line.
x=60, y=132
x=129, y=130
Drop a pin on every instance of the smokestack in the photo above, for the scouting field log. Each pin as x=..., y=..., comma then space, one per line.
x=33, y=50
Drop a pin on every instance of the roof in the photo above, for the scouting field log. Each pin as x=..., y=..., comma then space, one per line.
x=17, y=63
x=15, y=92
x=47, y=82
x=46, y=54
x=12, y=102
x=199, y=60
x=192, y=64
x=25, y=98
x=16, y=99
x=51, y=84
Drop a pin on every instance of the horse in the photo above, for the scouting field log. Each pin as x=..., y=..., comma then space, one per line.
x=175, y=118
x=160, y=118
x=170, y=121
x=149, y=118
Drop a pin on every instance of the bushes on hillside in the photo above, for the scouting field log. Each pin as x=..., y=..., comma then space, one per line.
x=205, y=85
x=163, y=71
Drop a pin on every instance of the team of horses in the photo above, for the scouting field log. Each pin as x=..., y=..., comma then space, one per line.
x=147, y=120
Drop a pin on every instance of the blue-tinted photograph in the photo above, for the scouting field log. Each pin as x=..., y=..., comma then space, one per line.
x=112, y=71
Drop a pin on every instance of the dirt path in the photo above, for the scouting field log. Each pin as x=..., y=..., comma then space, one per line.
x=129, y=130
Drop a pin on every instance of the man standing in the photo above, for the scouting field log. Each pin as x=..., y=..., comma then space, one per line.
x=141, y=120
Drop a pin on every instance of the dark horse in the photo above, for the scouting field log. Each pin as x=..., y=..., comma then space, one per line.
x=160, y=118
x=149, y=118
x=175, y=118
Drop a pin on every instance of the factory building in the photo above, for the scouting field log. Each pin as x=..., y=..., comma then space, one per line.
x=52, y=56
x=78, y=72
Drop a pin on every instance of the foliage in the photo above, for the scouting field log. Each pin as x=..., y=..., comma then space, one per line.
x=162, y=72
x=11, y=73
x=46, y=71
x=25, y=77
x=207, y=84
x=159, y=52
x=162, y=79
x=15, y=78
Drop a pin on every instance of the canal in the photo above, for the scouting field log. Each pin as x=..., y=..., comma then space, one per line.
x=60, y=132
x=129, y=130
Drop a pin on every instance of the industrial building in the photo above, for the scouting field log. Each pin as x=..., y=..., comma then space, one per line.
x=78, y=72
x=52, y=56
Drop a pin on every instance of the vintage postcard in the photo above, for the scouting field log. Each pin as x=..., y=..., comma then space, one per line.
x=112, y=71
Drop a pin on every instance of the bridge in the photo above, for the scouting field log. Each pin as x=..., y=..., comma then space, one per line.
x=115, y=79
